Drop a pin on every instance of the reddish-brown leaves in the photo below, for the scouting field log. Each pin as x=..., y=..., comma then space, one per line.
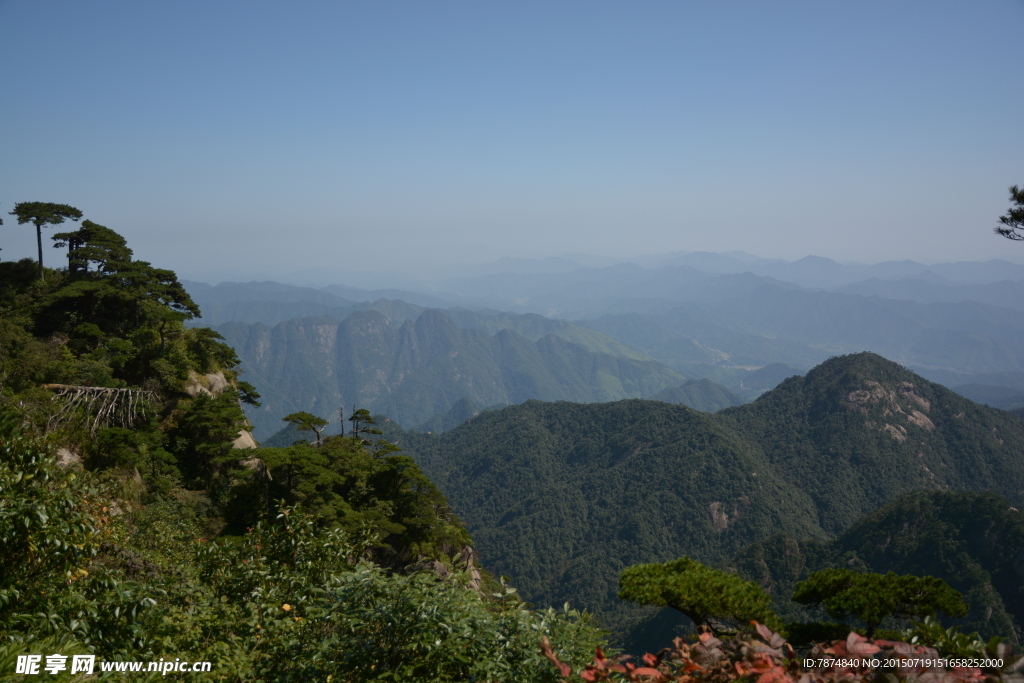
x=762, y=656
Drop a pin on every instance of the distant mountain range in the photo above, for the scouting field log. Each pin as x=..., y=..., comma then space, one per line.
x=562, y=496
x=420, y=368
x=719, y=317
x=810, y=271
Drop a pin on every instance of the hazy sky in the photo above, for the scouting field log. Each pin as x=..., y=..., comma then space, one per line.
x=239, y=140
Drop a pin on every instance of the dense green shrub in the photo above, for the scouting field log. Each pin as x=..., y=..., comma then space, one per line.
x=709, y=597
x=873, y=597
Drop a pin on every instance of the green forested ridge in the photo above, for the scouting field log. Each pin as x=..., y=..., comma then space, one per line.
x=973, y=541
x=561, y=497
x=424, y=366
x=97, y=357
x=859, y=431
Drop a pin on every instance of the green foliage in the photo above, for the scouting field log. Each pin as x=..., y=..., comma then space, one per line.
x=346, y=485
x=308, y=614
x=292, y=600
x=421, y=628
x=127, y=449
x=969, y=540
x=106, y=321
x=51, y=528
x=48, y=531
x=363, y=417
x=201, y=438
x=1013, y=222
x=873, y=597
x=709, y=597
x=950, y=642
x=44, y=213
x=94, y=245
x=307, y=422
x=562, y=497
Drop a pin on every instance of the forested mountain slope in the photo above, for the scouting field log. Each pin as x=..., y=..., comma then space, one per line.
x=858, y=431
x=561, y=496
x=973, y=541
x=422, y=367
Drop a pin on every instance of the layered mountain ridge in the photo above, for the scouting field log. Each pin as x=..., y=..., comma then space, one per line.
x=422, y=367
x=561, y=497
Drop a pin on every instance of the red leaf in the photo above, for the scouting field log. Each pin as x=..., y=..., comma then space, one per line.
x=647, y=671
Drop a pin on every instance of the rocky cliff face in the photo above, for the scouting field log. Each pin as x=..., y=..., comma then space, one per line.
x=212, y=384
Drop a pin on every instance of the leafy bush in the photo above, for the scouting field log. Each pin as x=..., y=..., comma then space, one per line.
x=292, y=602
x=52, y=524
x=949, y=641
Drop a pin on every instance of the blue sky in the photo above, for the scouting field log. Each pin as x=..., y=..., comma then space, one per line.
x=252, y=140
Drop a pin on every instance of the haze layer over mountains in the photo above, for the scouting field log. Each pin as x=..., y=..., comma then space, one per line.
x=586, y=329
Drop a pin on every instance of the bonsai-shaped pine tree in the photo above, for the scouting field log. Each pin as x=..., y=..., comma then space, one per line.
x=308, y=422
x=710, y=597
x=363, y=417
x=873, y=597
x=44, y=213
